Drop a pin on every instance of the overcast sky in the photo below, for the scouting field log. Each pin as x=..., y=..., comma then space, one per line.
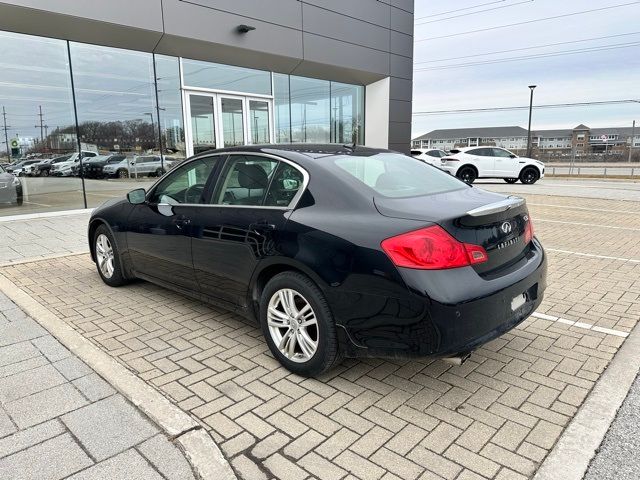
x=611, y=74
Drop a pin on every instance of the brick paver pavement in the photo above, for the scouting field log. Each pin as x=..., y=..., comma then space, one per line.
x=59, y=419
x=496, y=416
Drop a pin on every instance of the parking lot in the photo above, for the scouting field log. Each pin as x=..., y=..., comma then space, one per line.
x=496, y=416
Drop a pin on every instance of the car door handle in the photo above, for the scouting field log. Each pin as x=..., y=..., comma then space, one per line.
x=262, y=227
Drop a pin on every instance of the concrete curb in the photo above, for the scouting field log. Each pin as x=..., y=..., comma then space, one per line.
x=52, y=256
x=200, y=449
x=572, y=454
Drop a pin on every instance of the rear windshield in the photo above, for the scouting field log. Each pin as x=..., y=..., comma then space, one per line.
x=395, y=175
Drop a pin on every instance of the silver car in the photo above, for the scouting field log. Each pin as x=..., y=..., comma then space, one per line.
x=140, y=166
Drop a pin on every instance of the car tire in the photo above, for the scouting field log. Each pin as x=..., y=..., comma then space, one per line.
x=122, y=173
x=315, y=345
x=510, y=180
x=529, y=175
x=44, y=173
x=21, y=174
x=159, y=172
x=467, y=175
x=107, y=256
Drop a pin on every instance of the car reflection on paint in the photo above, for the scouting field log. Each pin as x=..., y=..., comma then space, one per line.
x=335, y=251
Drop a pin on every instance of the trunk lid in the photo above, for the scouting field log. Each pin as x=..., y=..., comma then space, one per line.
x=495, y=222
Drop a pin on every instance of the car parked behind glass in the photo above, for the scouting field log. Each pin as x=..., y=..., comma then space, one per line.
x=141, y=166
x=333, y=250
x=10, y=188
x=43, y=169
x=23, y=168
x=70, y=167
x=93, y=167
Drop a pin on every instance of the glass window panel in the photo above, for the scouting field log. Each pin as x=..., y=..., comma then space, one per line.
x=287, y=181
x=245, y=180
x=170, y=100
x=185, y=184
x=36, y=96
x=225, y=77
x=310, y=119
x=202, y=123
x=232, y=121
x=116, y=102
x=347, y=113
x=259, y=118
x=282, y=107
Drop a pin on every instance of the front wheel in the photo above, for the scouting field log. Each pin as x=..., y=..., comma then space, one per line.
x=123, y=173
x=467, y=175
x=529, y=175
x=108, y=258
x=44, y=173
x=510, y=180
x=298, y=325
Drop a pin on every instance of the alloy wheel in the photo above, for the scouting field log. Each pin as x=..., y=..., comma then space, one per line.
x=104, y=255
x=529, y=176
x=293, y=325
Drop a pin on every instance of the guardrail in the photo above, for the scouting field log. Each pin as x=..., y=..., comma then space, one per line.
x=626, y=172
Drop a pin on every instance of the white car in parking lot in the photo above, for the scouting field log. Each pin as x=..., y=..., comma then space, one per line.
x=431, y=156
x=143, y=165
x=470, y=163
x=70, y=167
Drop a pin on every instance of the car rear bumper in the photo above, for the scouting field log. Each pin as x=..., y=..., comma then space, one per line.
x=447, y=315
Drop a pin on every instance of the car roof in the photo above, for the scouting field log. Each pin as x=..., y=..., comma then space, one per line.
x=310, y=150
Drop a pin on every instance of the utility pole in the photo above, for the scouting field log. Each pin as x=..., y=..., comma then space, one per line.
x=531, y=87
x=633, y=136
x=41, y=126
x=6, y=138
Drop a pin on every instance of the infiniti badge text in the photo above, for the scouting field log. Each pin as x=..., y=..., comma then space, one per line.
x=508, y=243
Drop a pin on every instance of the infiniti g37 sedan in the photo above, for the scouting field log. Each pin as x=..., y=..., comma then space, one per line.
x=334, y=251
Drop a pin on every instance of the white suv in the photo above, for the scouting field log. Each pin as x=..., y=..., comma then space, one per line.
x=144, y=165
x=431, y=156
x=71, y=166
x=469, y=163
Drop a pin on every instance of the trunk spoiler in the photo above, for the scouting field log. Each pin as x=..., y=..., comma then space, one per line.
x=501, y=206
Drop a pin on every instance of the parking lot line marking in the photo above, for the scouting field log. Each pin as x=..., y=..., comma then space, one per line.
x=38, y=204
x=567, y=207
x=586, y=326
x=587, y=224
x=591, y=255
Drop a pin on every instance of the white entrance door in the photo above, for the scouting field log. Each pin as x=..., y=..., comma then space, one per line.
x=217, y=120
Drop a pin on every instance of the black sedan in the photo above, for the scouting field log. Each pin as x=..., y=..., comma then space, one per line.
x=335, y=251
x=10, y=188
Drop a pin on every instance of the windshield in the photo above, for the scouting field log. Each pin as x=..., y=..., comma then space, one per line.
x=395, y=175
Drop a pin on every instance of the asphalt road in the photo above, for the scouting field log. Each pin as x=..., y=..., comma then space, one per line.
x=619, y=454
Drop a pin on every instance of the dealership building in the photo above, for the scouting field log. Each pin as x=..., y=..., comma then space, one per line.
x=172, y=78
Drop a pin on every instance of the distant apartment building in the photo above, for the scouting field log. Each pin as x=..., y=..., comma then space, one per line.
x=563, y=142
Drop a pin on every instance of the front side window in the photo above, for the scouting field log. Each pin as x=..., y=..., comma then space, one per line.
x=186, y=184
x=498, y=152
x=245, y=180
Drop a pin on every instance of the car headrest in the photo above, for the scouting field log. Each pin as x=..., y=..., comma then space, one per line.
x=252, y=176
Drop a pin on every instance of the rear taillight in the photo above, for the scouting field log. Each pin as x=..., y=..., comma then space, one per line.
x=432, y=248
x=528, y=230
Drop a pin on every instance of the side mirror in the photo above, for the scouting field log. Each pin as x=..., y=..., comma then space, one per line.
x=137, y=196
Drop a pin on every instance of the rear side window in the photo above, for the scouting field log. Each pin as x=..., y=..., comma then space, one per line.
x=394, y=175
x=434, y=153
x=245, y=180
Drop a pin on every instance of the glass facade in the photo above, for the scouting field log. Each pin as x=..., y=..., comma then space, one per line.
x=83, y=123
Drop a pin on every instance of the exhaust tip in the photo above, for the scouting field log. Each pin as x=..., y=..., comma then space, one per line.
x=457, y=359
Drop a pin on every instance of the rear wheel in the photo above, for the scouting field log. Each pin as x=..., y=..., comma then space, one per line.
x=510, y=180
x=44, y=173
x=297, y=324
x=159, y=172
x=108, y=258
x=529, y=175
x=467, y=174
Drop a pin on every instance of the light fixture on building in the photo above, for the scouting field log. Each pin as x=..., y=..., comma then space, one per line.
x=244, y=28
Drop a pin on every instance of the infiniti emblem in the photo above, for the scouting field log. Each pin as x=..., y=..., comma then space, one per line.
x=506, y=227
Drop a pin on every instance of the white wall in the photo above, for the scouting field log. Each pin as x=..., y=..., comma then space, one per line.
x=376, y=133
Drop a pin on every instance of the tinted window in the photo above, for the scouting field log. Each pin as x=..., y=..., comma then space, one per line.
x=185, y=184
x=395, y=175
x=287, y=181
x=482, y=152
x=245, y=180
x=434, y=153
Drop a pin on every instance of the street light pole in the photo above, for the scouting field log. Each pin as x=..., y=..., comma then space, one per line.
x=633, y=135
x=531, y=87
